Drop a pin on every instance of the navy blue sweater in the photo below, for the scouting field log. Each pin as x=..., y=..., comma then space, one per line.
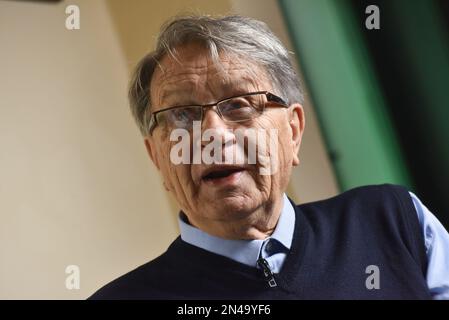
x=334, y=241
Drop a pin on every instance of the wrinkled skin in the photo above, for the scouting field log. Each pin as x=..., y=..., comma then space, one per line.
x=249, y=207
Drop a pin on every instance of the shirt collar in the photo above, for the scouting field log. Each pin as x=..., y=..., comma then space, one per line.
x=243, y=251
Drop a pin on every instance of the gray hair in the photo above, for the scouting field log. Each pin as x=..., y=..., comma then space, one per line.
x=246, y=37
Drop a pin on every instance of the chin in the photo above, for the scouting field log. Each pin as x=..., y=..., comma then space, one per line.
x=234, y=207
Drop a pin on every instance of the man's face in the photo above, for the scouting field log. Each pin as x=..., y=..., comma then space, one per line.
x=241, y=197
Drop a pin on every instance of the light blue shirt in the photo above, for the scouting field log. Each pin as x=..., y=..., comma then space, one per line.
x=436, y=241
x=274, y=249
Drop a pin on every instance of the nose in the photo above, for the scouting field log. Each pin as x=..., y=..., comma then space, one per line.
x=212, y=121
x=211, y=118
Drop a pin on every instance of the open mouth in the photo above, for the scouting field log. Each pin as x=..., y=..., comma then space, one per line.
x=221, y=173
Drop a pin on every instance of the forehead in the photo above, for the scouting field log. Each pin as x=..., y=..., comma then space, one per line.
x=194, y=77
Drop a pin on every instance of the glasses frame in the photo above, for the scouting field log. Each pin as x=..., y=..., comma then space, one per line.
x=278, y=101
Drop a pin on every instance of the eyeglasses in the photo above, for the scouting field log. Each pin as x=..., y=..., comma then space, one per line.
x=234, y=109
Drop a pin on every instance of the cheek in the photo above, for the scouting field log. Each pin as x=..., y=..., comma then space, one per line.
x=283, y=148
x=177, y=175
x=280, y=153
x=170, y=171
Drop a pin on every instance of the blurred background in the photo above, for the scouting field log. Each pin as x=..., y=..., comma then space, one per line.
x=76, y=185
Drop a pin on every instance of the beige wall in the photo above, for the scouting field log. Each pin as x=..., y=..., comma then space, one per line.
x=138, y=22
x=76, y=186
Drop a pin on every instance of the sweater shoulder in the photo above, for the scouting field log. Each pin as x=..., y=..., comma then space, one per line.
x=364, y=199
x=379, y=210
x=140, y=283
x=380, y=214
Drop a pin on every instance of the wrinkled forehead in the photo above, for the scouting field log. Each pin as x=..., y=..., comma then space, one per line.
x=194, y=77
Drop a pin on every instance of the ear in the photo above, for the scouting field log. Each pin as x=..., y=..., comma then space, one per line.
x=297, y=125
x=151, y=150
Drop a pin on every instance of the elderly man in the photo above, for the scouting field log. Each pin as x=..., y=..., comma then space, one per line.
x=241, y=237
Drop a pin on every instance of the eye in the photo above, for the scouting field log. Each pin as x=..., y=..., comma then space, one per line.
x=237, y=109
x=235, y=105
x=182, y=114
x=183, y=117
